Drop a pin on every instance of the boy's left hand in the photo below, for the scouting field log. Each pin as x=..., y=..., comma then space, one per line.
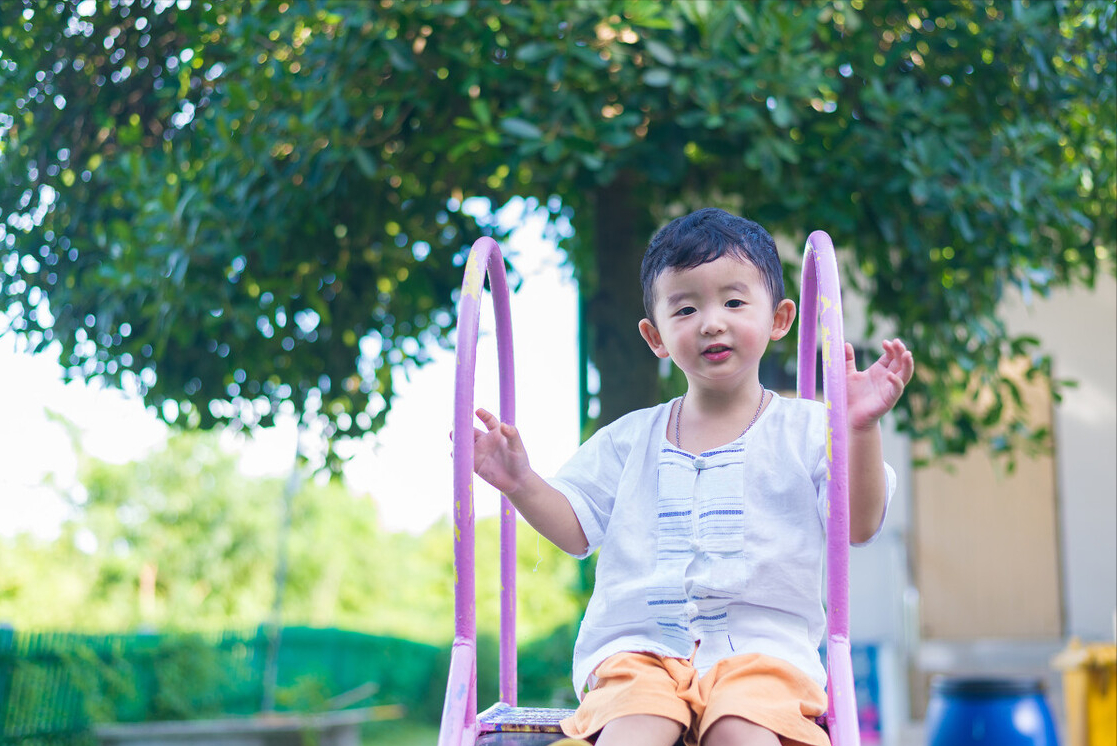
x=873, y=392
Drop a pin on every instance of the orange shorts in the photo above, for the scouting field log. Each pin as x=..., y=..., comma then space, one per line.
x=759, y=688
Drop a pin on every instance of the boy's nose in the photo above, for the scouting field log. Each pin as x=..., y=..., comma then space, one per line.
x=712, y=323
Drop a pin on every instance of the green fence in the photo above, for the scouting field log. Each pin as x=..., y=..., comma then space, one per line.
x=53, y=686
x=38, y=701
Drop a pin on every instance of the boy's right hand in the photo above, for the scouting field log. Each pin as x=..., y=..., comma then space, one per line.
x=499, y=456
x=500, y=459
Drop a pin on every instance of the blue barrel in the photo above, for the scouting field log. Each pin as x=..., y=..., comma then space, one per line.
x=973, y=711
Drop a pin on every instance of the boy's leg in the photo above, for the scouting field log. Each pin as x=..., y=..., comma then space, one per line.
x=635, y=694
x=777, y=702
x=646, y=730
x=735, y=731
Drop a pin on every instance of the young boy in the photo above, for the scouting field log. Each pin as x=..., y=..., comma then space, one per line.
x=706, y=615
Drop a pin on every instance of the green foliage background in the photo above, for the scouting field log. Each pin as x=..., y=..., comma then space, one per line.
x=238, y=208
x=210, y=537
x=207, y=539
x=62, y=683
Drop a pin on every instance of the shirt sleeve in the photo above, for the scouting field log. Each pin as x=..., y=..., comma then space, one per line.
x=590, y=480
x=890, y=481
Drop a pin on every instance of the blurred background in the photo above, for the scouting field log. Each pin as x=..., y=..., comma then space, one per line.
x=232, y=237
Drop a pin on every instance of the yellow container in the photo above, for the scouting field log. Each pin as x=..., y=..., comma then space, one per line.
x=1090, y=693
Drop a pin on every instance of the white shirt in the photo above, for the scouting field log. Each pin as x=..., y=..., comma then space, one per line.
x=725, y=548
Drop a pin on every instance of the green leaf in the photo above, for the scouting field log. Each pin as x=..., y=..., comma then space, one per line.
x=657, y=77
x=661, y=52
x=592, y=161
x=520, y=128
x=365, y=162
x=588, y=56
x=399, y=55
x=462, y=147
x=782, y=115
x=534, y=52
x=452, y=8
x=555, y=69
x=480, y=109
x=649, y=14
x=553, y=151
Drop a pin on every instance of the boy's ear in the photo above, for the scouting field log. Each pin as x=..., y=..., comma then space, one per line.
x=654, y=339
x=784, y=317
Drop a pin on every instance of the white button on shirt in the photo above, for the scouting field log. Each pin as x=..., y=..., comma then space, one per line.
x=723, y=549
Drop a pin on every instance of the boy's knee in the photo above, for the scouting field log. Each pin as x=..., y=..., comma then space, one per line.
x=648, y=730
x=735, y=731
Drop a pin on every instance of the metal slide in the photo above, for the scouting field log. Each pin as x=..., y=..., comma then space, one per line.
x=506, y=724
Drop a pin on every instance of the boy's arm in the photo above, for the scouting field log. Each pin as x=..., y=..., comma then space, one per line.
x=868, y=488
x=549, y=512
x=870, y=394
x=499, y=457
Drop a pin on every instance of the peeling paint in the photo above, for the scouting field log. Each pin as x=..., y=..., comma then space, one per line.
x=471, y=285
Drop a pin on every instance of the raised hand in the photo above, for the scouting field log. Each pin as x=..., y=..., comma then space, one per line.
x=499, y=456
x=873, y=392
x=500, y=459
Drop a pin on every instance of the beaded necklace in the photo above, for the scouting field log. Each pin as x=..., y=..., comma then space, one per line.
x=679, y=416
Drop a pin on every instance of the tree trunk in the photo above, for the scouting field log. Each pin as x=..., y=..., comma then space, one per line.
x=628, y=370
x=275, y=624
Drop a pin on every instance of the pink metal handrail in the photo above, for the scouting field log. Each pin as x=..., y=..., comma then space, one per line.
x=459, y=714
x=820, y=302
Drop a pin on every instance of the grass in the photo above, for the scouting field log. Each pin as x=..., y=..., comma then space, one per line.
x=399, y=733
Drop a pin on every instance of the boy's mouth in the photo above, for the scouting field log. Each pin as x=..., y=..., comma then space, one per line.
x=716, y=352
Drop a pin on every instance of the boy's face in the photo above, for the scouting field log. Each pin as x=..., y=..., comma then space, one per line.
x=715, y=321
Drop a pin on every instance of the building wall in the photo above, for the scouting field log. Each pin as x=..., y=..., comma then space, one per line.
x=1079, y=328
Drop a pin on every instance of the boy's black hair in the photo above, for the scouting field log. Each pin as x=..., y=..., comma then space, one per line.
x=703, y=236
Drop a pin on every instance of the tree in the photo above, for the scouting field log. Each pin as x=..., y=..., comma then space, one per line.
x=183, y=540
x=246, y=206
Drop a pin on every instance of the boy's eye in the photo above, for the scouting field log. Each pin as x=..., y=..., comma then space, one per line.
x=735, y=303
x=685, y=311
